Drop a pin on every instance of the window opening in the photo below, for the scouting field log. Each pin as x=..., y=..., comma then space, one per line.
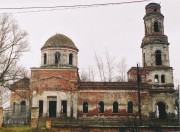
x=144, y=59
x=57, y=57
x=115, y=107
x=158, y=57
x=45, y=58
x=40, y=108
x=85, y=107
x=156, y=27
x=64, y=106
x=130, y=107
x=156, y=78
x=70, y=59
x=101, y=107
x=162, y=78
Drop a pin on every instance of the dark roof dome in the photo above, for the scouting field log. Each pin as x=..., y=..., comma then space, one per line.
x=153, y=5
x=153, y=8
x=59, y=40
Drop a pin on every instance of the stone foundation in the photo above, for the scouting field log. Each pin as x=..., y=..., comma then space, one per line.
x=34, y=117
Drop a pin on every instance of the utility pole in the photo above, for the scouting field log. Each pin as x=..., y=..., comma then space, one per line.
x=139, y=95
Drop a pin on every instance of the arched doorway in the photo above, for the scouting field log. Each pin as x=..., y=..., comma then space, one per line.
x=161, y=108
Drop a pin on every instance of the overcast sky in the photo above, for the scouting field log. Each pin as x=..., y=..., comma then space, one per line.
x=119, y=28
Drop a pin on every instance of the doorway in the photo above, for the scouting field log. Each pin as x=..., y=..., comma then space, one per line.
x=162, y=110
x=52, y=108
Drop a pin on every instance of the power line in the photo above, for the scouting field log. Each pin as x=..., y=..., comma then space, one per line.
x=52, y=8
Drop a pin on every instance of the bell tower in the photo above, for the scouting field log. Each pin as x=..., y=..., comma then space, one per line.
x=155, y=47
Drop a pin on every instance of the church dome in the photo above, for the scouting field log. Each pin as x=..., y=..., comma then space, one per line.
x=59, y=40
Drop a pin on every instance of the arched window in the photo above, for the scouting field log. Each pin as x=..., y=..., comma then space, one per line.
x=45, y=58
x=115, y=107
x=156, y=27
x=156, y=78
x=130, y=107
x=23, y=106
x=101, y=107
x=57, y=57
x=70, y=59
x=85, y=107
x=162, y=78
x=144, y=59
x=158, y=57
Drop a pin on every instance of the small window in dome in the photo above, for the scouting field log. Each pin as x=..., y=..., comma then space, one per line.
x=57, y=57
x=155, y=10
x=70, y=59
x=45, y=58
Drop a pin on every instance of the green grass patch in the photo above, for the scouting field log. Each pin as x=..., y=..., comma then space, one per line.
x=15, y=128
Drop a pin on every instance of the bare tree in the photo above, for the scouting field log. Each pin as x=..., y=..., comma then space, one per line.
x=100, y=66
x=13, y=43
x=87, y=76
x=121, y=71
x=108, y=70
x=110, y=66
x=83, y=76
x=4, y=95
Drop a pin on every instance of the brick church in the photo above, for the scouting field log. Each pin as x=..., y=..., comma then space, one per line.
x=55, y=86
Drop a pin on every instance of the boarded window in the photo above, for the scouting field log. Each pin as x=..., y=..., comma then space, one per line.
x=101, y=107
x=57, y=57
x=45, y=58
x=85, y=107
x=162, y=78
x=70, y=59
x=156, y=27
x=115, y=107
x=130, y=107
x=158, y=57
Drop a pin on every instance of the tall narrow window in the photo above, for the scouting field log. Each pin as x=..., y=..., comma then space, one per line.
x=130, y=107
x=156, y=27
x=101, y=107
x=40, y=108
x=70, y=59
x=85, y=107
x=144, y=59
x=115, y=107
x=162, y=78
x=45, y=58
x=156, y=78
x=158, y=57
x=57, y=57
